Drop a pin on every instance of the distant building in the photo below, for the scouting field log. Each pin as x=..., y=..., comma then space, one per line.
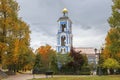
x=89, y=52
x=64, y=34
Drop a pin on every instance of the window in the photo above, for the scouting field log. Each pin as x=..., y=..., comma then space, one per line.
x=63, y=41
x=63, y=27
x=63, y=50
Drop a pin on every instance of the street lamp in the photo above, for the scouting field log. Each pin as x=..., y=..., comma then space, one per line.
x=99, y=69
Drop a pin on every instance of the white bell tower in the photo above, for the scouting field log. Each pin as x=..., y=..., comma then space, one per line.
x=64, y=34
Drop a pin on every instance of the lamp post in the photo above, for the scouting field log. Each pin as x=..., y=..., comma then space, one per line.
x=99, y=69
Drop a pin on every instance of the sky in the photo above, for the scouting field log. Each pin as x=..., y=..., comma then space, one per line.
x=89, y=19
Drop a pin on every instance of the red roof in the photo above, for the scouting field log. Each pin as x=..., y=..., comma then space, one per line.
x=85, y=50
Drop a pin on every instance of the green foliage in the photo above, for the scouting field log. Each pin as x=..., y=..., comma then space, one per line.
x=114, y=20
x=113, y=37
x=64, y=58
x=92, y=66
x=53, y=61
x=111, y=64
x=48, y=58
x=37, y=62
x=112, y=45
x=26, y=60
x=74, y=64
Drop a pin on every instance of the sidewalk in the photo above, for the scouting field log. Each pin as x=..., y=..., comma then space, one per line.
x=27, y=76
x=24, y=77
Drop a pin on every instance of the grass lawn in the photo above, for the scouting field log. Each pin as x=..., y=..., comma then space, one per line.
x=116, y=77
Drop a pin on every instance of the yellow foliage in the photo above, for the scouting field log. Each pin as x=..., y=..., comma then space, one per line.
x=16, y=47
x=118, y=55
x=106, y=53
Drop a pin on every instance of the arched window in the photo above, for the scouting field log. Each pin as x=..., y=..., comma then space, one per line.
x=63, y=50
x=63, y=27
x=63, y=41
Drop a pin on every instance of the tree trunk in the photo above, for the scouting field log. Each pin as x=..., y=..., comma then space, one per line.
x=108, y=71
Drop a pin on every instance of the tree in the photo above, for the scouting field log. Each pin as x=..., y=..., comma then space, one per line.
x=112, y=45
x=8, y=17
x=111, y=64
x=18, y=47
x=79, y=60
x=14, y=37
x=112, y=48
x=37, y=63
x=26, y=61
x=48, y=57
x=63, y=59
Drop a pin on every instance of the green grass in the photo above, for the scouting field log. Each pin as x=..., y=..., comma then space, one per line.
x=82, y=78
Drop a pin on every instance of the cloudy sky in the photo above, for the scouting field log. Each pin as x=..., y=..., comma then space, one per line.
x=89, y=19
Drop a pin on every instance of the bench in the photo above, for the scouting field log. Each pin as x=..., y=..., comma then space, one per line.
x=49, y=73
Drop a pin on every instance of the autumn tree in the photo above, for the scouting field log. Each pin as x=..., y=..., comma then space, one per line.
x=48, y=57
x=112, y=47
x=8, y=9
x=14, y=37
x=19, y=49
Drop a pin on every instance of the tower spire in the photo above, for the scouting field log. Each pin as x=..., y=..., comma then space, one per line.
x=65, y=12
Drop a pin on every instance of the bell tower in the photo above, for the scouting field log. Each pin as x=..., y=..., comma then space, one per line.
x=64, y=34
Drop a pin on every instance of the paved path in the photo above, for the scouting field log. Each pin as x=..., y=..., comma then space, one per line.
x=27, y=76
x=24, y=77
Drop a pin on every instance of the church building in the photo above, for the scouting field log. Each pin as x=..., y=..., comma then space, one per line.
x=65, y=39
x=64, y=34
